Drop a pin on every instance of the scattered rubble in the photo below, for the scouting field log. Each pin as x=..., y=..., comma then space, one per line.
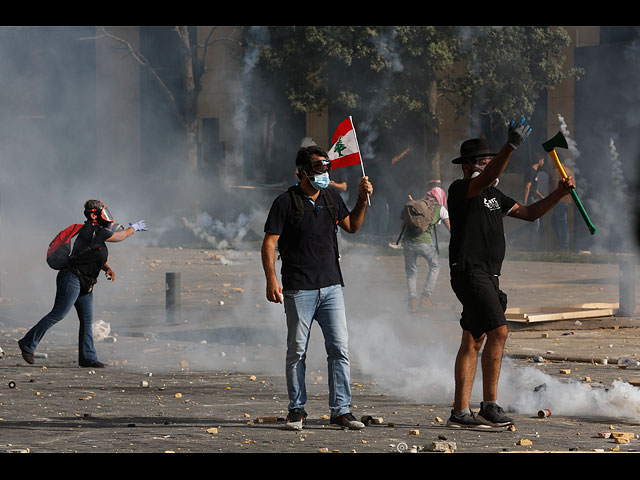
x=442, y=446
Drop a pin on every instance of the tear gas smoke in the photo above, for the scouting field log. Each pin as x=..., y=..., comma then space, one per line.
x=572, y=146
x=44, y=186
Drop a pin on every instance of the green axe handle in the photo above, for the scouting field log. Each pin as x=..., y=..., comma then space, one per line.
x=554, y=156
x=582, y=211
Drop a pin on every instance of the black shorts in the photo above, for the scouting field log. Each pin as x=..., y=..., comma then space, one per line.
x=483, y=303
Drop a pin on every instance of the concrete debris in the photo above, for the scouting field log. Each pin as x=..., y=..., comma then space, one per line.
x=442, y=446
x=268, y=419
x=623, y=435
x=369, y=420
x=18, y=450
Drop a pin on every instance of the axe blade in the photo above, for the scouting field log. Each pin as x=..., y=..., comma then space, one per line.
x=556, y=142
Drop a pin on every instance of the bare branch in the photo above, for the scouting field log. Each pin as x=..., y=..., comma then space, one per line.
x=140, y=58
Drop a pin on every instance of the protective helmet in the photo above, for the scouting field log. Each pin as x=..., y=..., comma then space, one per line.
x=102, y=212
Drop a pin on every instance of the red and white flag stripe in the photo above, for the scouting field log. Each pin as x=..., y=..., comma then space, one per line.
x=345, y=150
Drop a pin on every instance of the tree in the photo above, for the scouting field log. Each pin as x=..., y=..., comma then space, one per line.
x=410, y=69
x=192, y=67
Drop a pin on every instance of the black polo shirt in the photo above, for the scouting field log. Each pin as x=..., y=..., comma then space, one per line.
x=477, y=230
x=309, y=253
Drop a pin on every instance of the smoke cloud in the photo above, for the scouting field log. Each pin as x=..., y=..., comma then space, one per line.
x=49, y=171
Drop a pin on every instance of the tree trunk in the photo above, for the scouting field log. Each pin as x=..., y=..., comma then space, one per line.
x=432, y=136
x=190, y=108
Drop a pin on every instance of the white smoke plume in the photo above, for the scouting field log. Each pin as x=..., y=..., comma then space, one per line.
x=572, y=145
x=222, y=235
x=416, y=361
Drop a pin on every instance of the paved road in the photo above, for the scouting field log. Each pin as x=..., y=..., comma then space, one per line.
x=213, y=382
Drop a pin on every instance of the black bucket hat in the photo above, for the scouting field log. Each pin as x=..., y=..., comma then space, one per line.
x=472, y=149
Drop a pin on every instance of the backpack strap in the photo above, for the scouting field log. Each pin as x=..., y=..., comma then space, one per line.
x=298, y=206
x=328, y=200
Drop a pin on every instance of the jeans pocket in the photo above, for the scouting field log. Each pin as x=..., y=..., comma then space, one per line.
x=290, y=293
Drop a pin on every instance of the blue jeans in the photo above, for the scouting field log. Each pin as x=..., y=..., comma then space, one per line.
x=67, y=296
x=326, y=306
x=413, y=250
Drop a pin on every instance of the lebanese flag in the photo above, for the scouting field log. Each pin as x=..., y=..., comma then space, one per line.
x=345, y=151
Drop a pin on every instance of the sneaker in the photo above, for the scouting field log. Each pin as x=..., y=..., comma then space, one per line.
x=95, y=364
x=468, y=420
x=28, y=357
x=413, y=305
x=346, y=420
x=426, y=303
x=296, y=419
x=493, y=415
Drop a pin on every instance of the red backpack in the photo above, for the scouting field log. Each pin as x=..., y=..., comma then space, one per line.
x=60, y=247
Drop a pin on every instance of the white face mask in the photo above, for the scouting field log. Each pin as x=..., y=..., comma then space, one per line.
x=477, y=172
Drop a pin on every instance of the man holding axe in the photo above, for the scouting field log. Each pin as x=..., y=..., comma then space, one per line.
x=476, y=253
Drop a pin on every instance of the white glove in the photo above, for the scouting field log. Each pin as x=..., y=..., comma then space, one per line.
x=138, y=226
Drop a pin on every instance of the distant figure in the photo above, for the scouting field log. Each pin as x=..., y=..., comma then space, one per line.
x=560, y=215
x=532, y=193
x=422, y=243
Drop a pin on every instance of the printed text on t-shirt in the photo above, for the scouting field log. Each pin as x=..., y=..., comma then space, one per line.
x=492, y=204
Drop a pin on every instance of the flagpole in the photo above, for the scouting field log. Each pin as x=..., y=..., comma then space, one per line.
x=359, y=152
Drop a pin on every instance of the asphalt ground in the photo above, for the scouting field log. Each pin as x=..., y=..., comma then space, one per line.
x=212, y=379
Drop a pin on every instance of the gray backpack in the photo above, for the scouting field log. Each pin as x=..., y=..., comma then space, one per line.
x=417, y=215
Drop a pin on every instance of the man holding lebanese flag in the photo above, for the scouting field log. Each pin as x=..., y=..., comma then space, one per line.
x=303, y=224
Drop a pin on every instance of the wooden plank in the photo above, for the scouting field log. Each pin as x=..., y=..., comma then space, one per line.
x=561, y=315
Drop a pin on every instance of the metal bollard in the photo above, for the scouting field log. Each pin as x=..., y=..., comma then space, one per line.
x=627, y=286
x=172, y=306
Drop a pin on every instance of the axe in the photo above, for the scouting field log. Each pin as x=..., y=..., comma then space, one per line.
x=560, y=142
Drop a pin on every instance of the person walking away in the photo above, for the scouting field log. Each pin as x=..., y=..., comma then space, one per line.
x=421, y=243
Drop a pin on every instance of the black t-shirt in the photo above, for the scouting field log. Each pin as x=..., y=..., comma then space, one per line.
x=89, y=253
x=477, y=231
x=531, y=175
x=309, y=252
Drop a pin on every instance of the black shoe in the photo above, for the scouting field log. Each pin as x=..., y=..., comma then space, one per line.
x=28, y=357
x=493, y=415
x=95, y=364
x=468, y=420
x=296, y=419
x=347, y=421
